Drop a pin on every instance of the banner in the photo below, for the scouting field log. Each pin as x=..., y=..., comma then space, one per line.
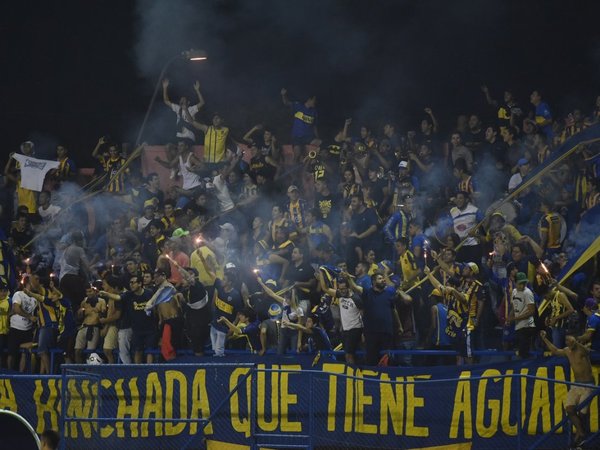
x=586, y=239
x=483, y=406
x=33, y=171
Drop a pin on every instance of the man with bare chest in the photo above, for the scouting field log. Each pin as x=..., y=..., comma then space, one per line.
x=170, y=317
x=90, y=311
x=579, y=360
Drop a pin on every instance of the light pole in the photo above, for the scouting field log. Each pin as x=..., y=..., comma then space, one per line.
x=190, y=55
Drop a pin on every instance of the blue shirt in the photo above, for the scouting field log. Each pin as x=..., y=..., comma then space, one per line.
x=396, y=226
x=252, y=333
x=305, y=120
x=593, y=323
x=364, y=282
x=378, y=308
x=226, y=304
x=542, y=113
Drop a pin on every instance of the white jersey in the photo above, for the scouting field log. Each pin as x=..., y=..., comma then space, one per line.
x=189, y=178
x=520, y=300
x=349, y=314
x=182, y=131
x=464, y=221
x=222, y=194
x=28, y=305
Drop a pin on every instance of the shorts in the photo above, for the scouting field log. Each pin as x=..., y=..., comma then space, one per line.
x=462, y=344
x=143, y=340
x=111, y=340
x=46, y=339
x=351, y=339
x=83, y=341
x=577, y=395
x=16, y=338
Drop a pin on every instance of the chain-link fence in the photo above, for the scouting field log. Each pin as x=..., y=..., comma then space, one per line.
x=193, y=406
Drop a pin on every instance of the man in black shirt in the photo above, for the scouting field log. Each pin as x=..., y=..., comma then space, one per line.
x=328, y=203
x=364, y=227
x=197, y=311
x=144, y=327
x=301, y=273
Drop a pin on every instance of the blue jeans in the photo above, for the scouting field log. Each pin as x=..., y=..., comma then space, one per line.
x=558, y=337
x=124, y=338
x=287, y=338
x=407, y=345
x=217, y=340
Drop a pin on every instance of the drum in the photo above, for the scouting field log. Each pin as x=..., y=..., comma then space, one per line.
x=509, y=209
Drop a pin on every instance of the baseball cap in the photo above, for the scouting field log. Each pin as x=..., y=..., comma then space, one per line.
x=474, y=267
x=149, y=204
x=274, y=310
x=227, y=226
x=403, y=165
x=590, y=303
x=521, y=278
x=292, y=188
x=523, y=162
x=179, y=232
x=230, y=266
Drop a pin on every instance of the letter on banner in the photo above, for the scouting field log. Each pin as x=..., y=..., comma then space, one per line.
x=153, y=405
x=413, y=402
x=200, y=403
x=462, y=408
x=483, y=405
x=392, y=405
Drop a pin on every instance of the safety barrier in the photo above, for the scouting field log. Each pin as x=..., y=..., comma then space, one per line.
x=326, y=409
x=419, y=354
x=293, y=404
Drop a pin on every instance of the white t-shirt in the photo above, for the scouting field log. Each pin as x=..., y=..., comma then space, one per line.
x=28, y=304
x=33, y=171
x=49, y=213
x=520, y=300
x=222, y=194
x=349, y=314
x=514, y=181
x=290, y=314
x=183, y=132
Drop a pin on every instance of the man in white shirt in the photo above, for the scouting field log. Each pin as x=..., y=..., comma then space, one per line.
x=465, y=217
x=22, y=323
x=518, y=177
x=522, y=315
x=184, y=126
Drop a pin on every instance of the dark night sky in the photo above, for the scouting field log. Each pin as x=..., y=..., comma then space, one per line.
x=75, y=70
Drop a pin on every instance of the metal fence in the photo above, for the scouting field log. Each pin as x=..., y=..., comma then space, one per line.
x=255, y=398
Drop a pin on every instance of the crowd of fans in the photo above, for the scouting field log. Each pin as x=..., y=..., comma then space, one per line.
x=370, y=240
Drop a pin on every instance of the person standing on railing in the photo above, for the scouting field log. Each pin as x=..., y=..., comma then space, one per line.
x=579, y=359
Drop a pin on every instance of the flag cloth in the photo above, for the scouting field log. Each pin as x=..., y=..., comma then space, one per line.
x=33, y=171
x=587, y=243
x=164, y=293
x=330, y=273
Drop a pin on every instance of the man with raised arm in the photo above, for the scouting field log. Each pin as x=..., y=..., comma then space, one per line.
x=184, y=124
x=304, y=126
x=380, y=317
x=579, y=359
